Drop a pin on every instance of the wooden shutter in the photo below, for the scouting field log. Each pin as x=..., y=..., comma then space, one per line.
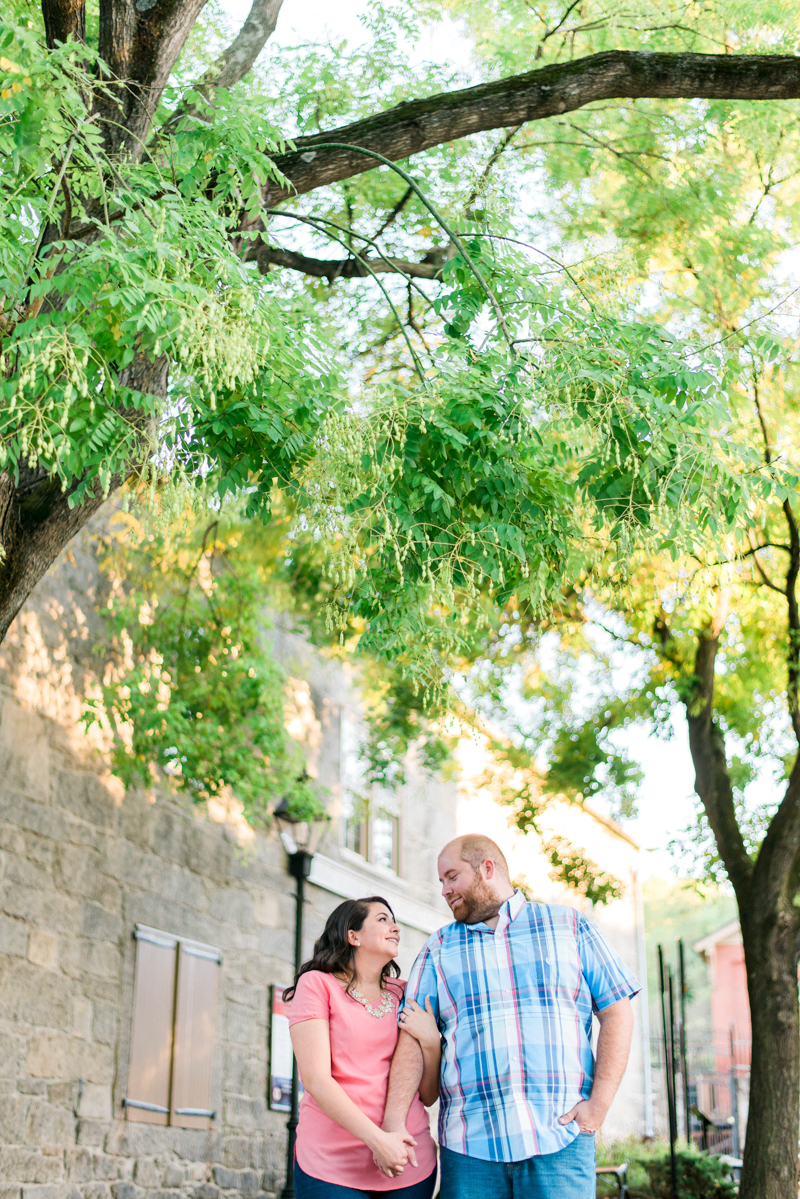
x=195, y=1021
x=149, y=1076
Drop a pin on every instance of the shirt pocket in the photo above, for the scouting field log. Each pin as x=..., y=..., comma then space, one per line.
x=546, y=971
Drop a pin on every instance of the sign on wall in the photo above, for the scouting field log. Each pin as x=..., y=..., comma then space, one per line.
x=280, y=1054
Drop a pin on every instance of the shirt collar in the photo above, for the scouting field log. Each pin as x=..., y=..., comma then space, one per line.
x=508, y=913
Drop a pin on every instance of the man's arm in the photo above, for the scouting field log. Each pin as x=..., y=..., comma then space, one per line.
x=613, y=1047
x=404, y=1079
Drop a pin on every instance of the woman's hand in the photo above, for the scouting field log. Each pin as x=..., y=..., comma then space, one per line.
x=392, y=1151
x=421, y=1023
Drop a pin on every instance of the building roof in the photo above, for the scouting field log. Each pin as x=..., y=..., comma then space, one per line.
x=728, y=934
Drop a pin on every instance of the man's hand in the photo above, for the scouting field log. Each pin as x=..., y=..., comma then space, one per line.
x=589, y=1113
x=613, y=1044
x=392, y=1151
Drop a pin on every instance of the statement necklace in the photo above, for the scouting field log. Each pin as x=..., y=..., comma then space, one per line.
x=386, y=1004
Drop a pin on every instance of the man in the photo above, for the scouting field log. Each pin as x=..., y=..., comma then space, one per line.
x=513, y=986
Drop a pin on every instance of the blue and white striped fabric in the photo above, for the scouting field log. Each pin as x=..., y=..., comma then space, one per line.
x=514, y=1005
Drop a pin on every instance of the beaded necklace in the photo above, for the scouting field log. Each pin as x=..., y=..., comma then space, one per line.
x=386, y=1004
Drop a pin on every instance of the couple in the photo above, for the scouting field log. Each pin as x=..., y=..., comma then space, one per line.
x=495, y=1021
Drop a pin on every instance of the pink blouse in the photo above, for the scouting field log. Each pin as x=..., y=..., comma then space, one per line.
x=361, y=1054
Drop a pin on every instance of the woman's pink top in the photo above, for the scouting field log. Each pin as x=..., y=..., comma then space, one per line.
x=361, y=1054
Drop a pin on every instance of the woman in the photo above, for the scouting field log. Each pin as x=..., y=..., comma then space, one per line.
x=343, y=1020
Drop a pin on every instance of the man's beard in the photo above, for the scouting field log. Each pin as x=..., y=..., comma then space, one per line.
x=478, y=903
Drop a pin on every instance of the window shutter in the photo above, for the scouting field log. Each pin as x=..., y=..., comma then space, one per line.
x=195, y=1020
x=147, y=1101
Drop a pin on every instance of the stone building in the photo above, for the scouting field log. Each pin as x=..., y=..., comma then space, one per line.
x=141, y=939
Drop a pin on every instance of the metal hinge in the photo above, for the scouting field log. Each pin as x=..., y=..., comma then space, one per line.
x=145, y=1107
x=194, y=1111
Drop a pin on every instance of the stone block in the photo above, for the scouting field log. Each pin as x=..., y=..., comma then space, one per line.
x=227, y=1180
x=30, y=816
x=55, y=1055
x=147, y=1174
x=169, y=834
x=98, y=924
x=26, y=903
x=31, y=1086
x=174, y=1175
x=96, y=1190
x=13, y=937
x=276, y=943
x=91, y=1132
x=244, y=1114
x=103, y=960
x=267, y=909
x=243, y=1074
x=95, y=1102
x=77, y=869
x=207, y=852
x=104, y=1023
x=29, y=1165
x=24, y=752
x=28, y=873
x=86, y=1164
x=82, y=793
x=65, y=1094
x=10, y=1191
x=124, y=1190
x=31, y=995
x=82, y=1017
x=43, y=949
x=241, y=1024
x=233, y=907
x=49, y=1124
x=236, y=1152
x=12, y=1048
x=204, y=1191
x=13, y=1118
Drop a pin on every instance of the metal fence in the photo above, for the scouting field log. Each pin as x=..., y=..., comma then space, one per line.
x=713, y=1097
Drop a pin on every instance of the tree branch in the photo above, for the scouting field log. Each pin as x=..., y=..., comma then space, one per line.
x=343, y=268
x=417, y=125
x=707, y=745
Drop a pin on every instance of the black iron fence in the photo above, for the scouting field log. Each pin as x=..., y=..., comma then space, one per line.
x=701, y=1083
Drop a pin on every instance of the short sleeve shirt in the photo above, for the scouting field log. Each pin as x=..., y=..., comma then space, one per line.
x=361, y=1055
x=514, y=1005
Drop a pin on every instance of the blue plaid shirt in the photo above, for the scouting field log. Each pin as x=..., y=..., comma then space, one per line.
x=514, y=1005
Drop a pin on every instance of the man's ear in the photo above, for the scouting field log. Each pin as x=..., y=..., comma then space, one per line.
x=489, y=869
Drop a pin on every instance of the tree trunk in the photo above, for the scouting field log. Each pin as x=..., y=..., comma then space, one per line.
x=770, y=1155
x=36, y=520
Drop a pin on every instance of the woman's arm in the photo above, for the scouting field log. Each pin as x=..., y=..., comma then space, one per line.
x=421, y=1024
x=311, y=1041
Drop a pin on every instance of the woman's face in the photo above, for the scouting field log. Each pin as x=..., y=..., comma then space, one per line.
x=379, y=935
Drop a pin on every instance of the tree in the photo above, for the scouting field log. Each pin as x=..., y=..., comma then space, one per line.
x=518, y=445
x=95, y=137
x=712, y=634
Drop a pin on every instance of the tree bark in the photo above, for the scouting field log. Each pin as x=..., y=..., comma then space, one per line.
x=770, y=1154
x=36, y=520
x=765, y=891
x=417, y=125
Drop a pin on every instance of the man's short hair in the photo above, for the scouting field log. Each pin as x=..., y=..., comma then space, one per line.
x=475, y=849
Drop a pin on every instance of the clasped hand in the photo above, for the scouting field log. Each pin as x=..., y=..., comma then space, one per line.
x=392, y=1151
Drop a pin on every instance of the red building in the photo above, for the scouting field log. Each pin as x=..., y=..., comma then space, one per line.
x=730, y=1007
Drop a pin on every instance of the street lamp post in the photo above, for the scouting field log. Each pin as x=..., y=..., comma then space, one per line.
x=301, y=839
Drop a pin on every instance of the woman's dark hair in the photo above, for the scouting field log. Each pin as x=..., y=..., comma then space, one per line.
x=333, y=953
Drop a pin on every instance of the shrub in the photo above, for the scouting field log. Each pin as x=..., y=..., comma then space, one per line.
x=649, y=1175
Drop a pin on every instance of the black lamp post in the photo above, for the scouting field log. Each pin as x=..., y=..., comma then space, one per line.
x=301, y=840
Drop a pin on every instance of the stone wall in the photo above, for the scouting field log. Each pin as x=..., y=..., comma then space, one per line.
x=78, y=869
x=82, y=862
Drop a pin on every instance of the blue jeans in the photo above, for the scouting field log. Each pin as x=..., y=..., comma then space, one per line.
x=306, y=1187
x=568, y=1174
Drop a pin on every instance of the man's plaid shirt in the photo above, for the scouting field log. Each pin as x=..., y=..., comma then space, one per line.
x=514, y=1005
